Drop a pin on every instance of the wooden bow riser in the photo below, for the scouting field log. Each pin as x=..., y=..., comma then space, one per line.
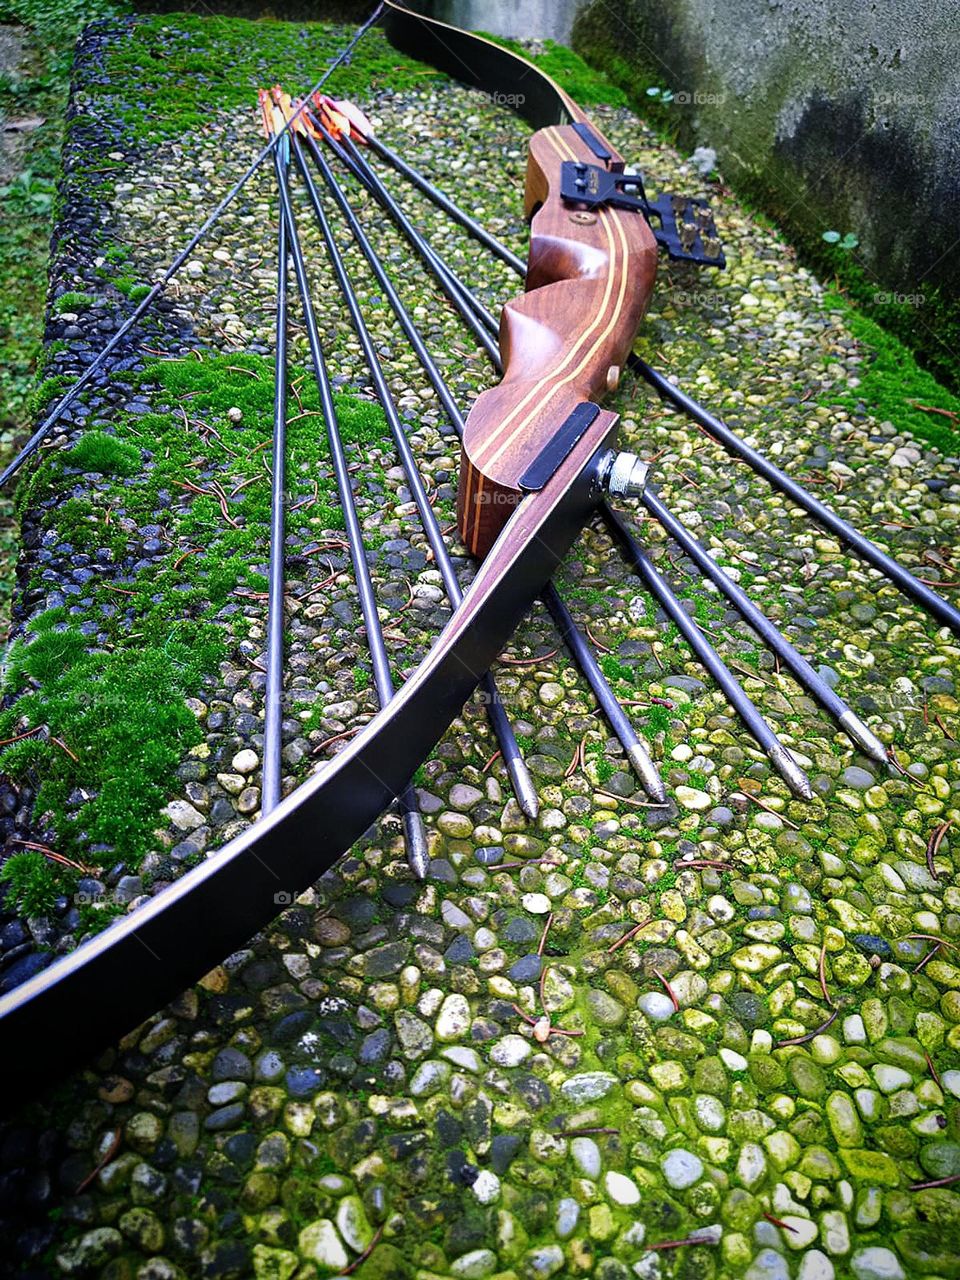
x=564, y=341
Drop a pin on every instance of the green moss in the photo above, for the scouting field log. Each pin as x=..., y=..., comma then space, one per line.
x=116, y=699
x=187, y=67
x=605, y=768
x=585, y=85
x=122, y=715
x=657, y=719
x=125, y=284
x=614, y=669
x=892, y=384
x=44, y=393
x=31, y=886
x=44, y=659
x=73, y=302
x=96, y=451
x=23, y=761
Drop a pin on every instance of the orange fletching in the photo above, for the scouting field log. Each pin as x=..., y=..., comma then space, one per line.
x=360, y=126
x=288, y=108
x=266, y=115
x=333, y=120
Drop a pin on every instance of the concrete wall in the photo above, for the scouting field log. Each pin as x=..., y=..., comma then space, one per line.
x=519, y=19
x=838, y=115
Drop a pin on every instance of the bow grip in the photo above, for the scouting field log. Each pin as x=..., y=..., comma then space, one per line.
x=564, y=341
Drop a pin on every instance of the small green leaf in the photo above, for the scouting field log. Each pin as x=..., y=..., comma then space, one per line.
x=667, y=95
x=849, y=241
x=831, y=237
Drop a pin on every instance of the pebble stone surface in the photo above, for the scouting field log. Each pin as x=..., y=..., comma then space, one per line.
x=769, y=1066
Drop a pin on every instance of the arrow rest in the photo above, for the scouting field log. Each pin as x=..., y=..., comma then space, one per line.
x=683, y=225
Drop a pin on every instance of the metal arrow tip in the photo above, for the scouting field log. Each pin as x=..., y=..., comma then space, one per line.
x=415, y=838
x=646, y=771
x=523, y=787
x=790, y=771
x=865, y=738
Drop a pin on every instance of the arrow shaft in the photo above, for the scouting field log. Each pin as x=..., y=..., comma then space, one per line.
x=380, y=662
x=509, y=747
x=273, y=694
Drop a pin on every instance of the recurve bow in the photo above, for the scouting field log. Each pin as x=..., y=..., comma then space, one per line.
x=538, y=453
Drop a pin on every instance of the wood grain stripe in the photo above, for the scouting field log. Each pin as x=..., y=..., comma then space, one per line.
x=482, y=454
x=603, y=313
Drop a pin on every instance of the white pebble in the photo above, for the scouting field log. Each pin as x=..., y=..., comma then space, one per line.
x=815, y=1265
x=854, y=1032
x=681, y=1168
x=710, y=1112
x=733, y=1061
x=245, y=761
x=656, y=1005
x=510, y=1051
x=876, y=1263
x=487, y=1187
x=586, y=1156
x=454, y=1019
x=538, y=904
x=889, y=1078
x=621, y=1189
x=801, y=1232
x=462, y=1057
